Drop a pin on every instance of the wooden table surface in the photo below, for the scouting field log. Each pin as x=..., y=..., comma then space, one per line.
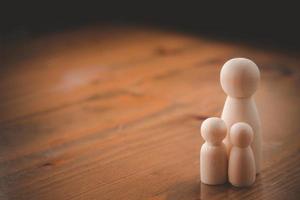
x=114, y=113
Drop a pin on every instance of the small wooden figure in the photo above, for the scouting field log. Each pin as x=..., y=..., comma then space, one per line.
x=239, y=79
x=241, y=165
x=213, y=155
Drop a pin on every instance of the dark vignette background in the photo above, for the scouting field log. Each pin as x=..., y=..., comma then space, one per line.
x=268, y=24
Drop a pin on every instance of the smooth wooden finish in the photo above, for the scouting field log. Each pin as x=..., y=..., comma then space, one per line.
x=239, y=79
x=213, y=153
x=241, y=165
x=114, y=113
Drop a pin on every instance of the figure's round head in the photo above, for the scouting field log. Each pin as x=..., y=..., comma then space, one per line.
x=213, y=130
x=239, y=77
x=241, y=134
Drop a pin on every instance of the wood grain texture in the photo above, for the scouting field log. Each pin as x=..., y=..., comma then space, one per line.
x=114, y=113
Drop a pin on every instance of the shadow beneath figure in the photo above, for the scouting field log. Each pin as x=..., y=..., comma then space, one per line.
x=194, y=189
x=227, y=191
x=214, y=191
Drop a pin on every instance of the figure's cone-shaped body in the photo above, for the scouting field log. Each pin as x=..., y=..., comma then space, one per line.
x=241, y=165
x=239, y=79
x=213, y=155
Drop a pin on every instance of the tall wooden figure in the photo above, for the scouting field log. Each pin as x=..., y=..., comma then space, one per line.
x=213, y=155
x=241, y=166
x=239, y=79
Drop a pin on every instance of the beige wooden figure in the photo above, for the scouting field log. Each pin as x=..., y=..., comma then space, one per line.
x=239, y=79
x=241, y=165
x=213, y=156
